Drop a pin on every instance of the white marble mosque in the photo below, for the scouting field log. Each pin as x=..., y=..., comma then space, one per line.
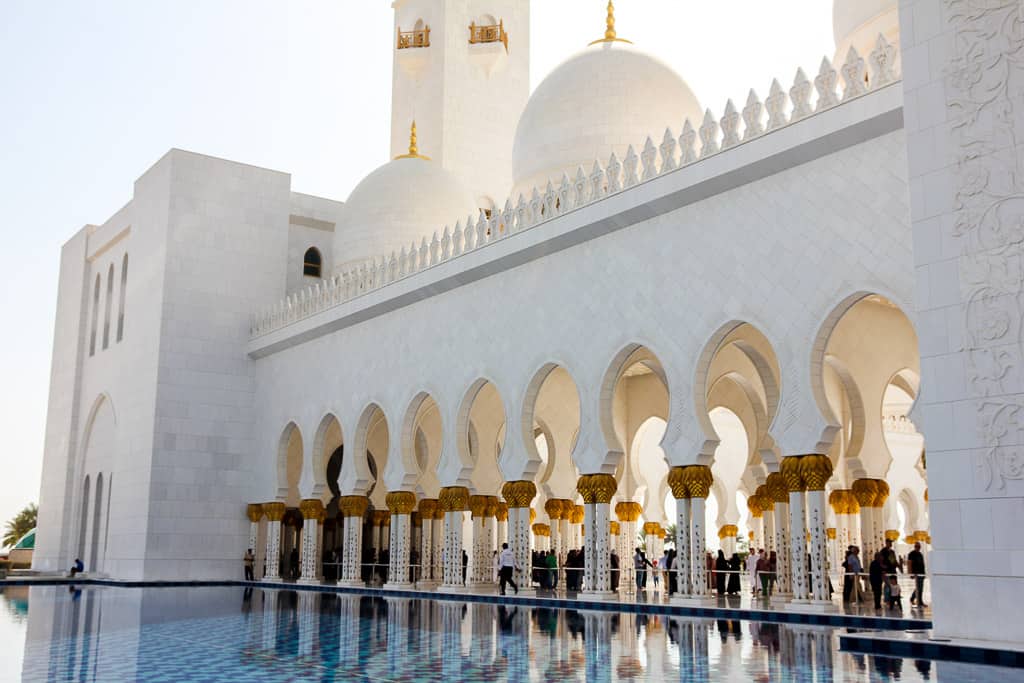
x=566, y=318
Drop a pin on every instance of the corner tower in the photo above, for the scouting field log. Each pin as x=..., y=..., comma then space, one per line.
x=461, y=70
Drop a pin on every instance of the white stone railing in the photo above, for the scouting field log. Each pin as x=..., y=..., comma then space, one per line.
x=899, y=424
x=715, y=136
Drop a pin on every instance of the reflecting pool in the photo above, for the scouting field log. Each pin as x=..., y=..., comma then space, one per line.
x=57, y=633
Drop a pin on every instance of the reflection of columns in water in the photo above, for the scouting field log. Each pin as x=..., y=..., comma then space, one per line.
x=270, y=620
x=685, y=628
x=451, y=640
x=482, y=616
x=348, y=632
x=309, y=621
x=397, y=639
x=699, y=661
x=518, y=495
x=400, y=507
x=454, y=500
x=598, y=640
x=274, y=513
x=352, y=509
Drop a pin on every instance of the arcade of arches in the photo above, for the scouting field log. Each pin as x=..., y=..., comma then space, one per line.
x=869, y=485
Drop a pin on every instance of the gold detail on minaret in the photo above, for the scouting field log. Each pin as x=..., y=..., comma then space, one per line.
x=413, y=150
x=609, y=33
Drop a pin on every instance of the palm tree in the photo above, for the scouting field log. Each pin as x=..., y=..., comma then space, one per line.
x=21, y=524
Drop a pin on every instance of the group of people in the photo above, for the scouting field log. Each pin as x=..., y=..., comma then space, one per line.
x=882, y=574
x=762, y=567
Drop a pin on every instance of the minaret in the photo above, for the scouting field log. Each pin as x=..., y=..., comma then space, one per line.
x=461, y=70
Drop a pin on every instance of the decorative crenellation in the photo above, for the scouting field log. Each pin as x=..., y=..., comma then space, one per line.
x=714, y=135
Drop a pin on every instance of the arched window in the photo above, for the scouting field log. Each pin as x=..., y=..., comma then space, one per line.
x=106, y=311
x=311, y=262
x=120, y=305
x=95, y=316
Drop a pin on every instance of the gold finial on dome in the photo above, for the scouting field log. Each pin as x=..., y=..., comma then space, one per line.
x=609, y=33
x=413, y=151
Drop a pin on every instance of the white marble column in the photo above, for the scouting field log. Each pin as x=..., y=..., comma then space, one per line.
x=698, y=547
x=816, y=471
x=798, y=545
x=518, y=496
x=352, y=508
x=428, y=511
x=274, y=513
x=312, y=514
x=780, y=495
x=597, y=491
x=501, y=525
x=400, y=505
x=454, y=501
x=684, y=533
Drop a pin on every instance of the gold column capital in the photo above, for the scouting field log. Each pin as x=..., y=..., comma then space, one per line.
x=777, y=488
x=454, y=498
x=353, y=506
x=792, y=474
x=628, y=511
x=599, y=488
x=864, y=490
x=429, y=508
x=613, y=527
x=541, y=530
x=501, y=511
x=491, y=509
x=554, y=509
x=477, y=505
x=816, y=470
x=831, y=533
x=576, y=516
x=400, y=502
x=892, y=535
x=698, y=481
x=381, y=517
x=254, y=511
x=728, y=531
x=881, y=492
x=312, y=508
x=677, y=482
x=519, y=494
x=274, y=511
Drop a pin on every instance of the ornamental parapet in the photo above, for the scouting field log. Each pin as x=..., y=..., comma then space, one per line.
x=414, y=38
x=595, y=181
x=488, y=33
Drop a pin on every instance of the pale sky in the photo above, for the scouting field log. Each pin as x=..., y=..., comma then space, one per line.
x=92, y=93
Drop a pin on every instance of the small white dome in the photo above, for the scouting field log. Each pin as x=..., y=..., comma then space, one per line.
x=858, y=23
x=599, y=101
x=401, y=202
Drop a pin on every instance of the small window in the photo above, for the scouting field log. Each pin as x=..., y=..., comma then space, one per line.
x=95, y=316
x=120, y=306
x=311, y=262
x=106, y=314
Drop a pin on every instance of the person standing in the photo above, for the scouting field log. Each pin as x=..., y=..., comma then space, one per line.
x=552, y=564
x=640, y=564
x=465, y=565
x=249, y=560
x=752, y=562
x=876, y=575
x=915, y=560
x=506, y=565
x=721, y=572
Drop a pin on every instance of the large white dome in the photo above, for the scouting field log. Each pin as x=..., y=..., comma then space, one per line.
x=859, y=22
x=598, y=101
x=401, y=202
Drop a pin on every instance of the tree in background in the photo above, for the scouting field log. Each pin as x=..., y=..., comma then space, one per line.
x=21, y=524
